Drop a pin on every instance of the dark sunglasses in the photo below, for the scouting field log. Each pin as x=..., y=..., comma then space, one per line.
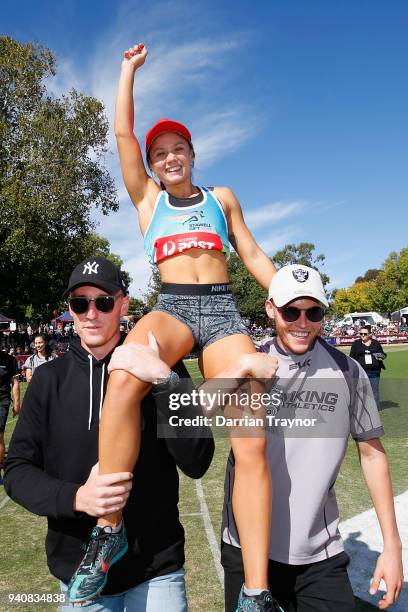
x=363, y=334
x=291, y=313
x=103, y=303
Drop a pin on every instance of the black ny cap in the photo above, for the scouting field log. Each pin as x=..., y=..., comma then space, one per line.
x=98, y=272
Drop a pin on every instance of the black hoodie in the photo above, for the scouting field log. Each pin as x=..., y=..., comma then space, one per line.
x=55, y=445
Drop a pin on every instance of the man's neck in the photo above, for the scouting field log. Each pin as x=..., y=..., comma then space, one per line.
x=286, y=350
x=100, y=352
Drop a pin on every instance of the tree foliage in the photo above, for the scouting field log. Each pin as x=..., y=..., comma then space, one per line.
x=249, y=294
x=52, y=175
x=302, y=253
x=370, y=275
x=354, y=299
x=382, y=290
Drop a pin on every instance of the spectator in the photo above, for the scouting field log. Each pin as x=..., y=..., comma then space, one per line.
x=370, y=355
x=42, y=355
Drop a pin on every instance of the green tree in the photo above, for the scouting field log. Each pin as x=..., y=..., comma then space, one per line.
x=249, y=294
x=99, y=245
x=137, y=307
x=153, y=289
x=390, y=291
x=52, y=176
x=302, y=253
x=356, y=298
x=370, y=275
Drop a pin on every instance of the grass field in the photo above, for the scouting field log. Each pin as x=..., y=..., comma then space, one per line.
x=22, y=562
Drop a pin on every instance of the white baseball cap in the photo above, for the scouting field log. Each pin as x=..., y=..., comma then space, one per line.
x=296, y=281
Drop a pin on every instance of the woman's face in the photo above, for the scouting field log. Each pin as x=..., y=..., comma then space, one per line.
x=171, y=159
x=39, y=344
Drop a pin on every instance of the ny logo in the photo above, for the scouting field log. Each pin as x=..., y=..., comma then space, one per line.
x=91, y=268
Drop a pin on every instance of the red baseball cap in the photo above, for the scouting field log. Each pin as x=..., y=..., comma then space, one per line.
x=162, y=126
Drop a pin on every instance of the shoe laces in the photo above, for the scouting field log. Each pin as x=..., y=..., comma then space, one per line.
x=93, y=548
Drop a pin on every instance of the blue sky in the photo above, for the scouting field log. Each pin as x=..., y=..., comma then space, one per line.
x=300, y=106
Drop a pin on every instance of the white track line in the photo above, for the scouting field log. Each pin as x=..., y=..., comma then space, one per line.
x=9, y=422
x=4, y=502
x=209, y=530
x=363, y=542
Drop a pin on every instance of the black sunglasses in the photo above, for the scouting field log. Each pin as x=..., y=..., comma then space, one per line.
x=363, y=334
x=103, y=303
x=291, y=313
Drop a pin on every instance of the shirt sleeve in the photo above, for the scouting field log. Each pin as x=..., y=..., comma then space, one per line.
x=353, y=352
x=365, y=421
x=25, y=480
x=13, y=367
x=191, y=447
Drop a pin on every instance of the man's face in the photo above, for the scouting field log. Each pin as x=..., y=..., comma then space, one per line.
x=297, y=336
x=98, y=330
x=365, y=334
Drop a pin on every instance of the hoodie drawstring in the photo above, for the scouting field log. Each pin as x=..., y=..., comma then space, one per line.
x=101, y=398
x=90, y=391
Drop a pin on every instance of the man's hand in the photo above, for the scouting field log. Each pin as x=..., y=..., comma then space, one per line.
x=140, y=360
x=251, y=365
x=259, y=366
x=389, y=569
x=103, y=494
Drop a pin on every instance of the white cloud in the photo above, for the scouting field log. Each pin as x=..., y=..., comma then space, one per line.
x=68, y=77
x=273, y=213
x=221, y=133
x=275, y=242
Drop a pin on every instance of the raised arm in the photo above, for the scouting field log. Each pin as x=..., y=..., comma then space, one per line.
x=137, y=181
x=254, y=258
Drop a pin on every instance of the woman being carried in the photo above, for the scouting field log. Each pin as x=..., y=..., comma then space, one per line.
x=187, y=231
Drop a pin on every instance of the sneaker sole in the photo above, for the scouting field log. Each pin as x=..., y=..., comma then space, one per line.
x=96, y=593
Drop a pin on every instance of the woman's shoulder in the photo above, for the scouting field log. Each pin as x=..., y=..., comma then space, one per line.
x=226, y=196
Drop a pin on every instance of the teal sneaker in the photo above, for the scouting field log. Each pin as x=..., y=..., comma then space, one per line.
x=264, y=602
x=103, y=550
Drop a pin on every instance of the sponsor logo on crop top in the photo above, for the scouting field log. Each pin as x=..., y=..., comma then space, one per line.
x=179, y=243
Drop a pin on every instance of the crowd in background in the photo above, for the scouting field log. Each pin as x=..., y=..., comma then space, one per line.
x=332, y=328
x=21, y=341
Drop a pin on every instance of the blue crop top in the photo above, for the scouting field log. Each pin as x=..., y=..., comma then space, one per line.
x=174, y=230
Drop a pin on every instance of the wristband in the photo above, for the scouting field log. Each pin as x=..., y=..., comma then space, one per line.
x=168, y=383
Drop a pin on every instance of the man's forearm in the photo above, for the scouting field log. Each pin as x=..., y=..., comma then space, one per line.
x=377, y=476
x=16, y=394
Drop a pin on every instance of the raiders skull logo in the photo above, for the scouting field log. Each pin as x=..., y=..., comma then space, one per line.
x=300, y=275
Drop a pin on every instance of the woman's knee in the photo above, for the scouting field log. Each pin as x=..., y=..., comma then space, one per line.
x=250, y=451
x=120, y=381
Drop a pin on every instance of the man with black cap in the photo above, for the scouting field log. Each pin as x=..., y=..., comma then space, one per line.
x=52, y=464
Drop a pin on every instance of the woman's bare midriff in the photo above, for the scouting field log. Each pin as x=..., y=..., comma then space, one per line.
x=197, y=266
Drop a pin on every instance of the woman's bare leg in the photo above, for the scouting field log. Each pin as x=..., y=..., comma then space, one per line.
x=119, y=431
x=252, y=493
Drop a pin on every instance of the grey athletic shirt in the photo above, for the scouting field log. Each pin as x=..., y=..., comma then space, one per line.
x=318, y=400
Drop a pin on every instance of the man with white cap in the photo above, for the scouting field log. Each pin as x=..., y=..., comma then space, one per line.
x=320, y=398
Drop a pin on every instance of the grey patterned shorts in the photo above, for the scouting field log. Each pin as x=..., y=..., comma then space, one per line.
x=209, y=311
